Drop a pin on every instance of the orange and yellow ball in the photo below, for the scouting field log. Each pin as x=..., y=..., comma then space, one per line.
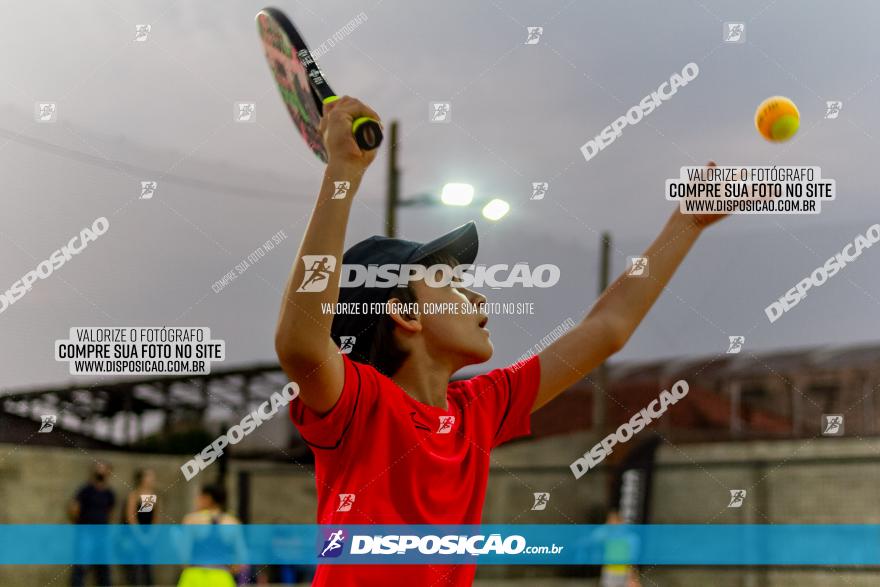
x=777, y=119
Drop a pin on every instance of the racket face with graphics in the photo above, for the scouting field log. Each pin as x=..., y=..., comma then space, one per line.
x=303, y=88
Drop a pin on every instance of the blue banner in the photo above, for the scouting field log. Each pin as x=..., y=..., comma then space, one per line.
x=498, y=544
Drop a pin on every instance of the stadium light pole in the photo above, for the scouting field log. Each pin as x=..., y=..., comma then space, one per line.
x=599, y=391
x=452, y=194
x=393, y=196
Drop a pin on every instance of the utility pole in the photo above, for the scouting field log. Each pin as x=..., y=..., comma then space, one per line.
x=601, y=382
x=393, y=196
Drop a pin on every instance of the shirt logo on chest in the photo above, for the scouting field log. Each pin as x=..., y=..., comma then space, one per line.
x=417, y=423
x=444, y=426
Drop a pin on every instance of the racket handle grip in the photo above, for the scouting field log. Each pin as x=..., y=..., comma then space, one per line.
x=367, y=133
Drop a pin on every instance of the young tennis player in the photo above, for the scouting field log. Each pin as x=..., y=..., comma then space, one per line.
x=394, y=441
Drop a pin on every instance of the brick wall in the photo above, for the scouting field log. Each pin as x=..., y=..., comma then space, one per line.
x=825, y=480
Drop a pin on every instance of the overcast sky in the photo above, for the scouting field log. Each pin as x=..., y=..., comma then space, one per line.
x=163, y=110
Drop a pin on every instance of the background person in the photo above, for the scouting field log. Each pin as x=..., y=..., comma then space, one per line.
x=144, y=484
x=92, y=504
x=619, y=546
x=211, y=545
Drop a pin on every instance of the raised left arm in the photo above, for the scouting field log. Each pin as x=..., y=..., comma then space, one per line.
x=619, y=310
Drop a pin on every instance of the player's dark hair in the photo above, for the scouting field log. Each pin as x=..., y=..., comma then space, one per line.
x=217, y=493
x=384, y=352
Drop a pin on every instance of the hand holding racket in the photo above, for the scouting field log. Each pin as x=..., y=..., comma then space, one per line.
x=303, y=87
x=335, y=127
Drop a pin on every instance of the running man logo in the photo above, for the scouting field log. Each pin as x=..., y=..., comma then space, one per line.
x=446, y=424
x=245, y=112
x=734, y=32
x=638, y=267
x=147, y=503
x=737, y=497
x=534, y=34
x=541, y=500
x=832, y=424
x=346, y=344
x=539, y=190
x=148, y=189
x=832, y=109
x=440, y=112
x=346, y=500
x=736, y=344
x=47, y=424
x=333, y=546
x=318, y=270
x=342, y=188
x=46, y=112
x=142, y=32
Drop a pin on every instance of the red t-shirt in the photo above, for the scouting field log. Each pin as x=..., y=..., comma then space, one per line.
x=405, y=462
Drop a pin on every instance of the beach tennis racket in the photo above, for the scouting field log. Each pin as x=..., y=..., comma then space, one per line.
x=303, y=87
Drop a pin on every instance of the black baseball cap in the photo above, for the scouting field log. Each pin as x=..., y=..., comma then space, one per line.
x=461, y=243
